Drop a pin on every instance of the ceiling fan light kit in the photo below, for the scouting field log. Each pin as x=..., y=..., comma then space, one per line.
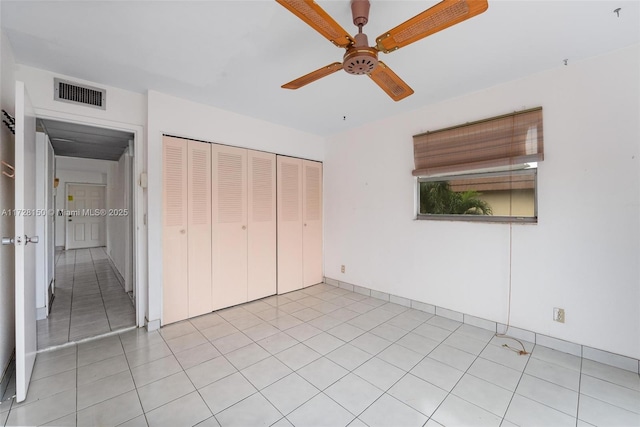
x=360, y=58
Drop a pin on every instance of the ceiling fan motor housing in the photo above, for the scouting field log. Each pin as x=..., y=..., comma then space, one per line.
x=360, y=58
x=360, y=12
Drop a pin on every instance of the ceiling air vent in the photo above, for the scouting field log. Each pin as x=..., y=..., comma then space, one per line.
x=67, y=91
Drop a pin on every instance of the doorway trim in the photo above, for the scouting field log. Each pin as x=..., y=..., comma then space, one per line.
x=140, y=259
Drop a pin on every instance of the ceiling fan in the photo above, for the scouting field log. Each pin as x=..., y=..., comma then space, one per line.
x=359, y=57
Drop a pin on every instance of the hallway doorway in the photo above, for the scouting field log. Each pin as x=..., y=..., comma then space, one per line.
x=94, y=286
x=90, y=299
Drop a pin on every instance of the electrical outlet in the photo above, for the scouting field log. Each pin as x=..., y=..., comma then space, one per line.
x=558, y=314
x=342, y=269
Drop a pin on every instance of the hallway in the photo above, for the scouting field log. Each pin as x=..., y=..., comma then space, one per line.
x=89, y=299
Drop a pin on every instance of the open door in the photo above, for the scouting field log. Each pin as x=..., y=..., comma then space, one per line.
x=25, y=228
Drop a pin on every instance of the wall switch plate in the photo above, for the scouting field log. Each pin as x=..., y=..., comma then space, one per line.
x=558, y=314
x=342, y=269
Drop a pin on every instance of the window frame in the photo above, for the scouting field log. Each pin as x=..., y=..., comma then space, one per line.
x=480, y=218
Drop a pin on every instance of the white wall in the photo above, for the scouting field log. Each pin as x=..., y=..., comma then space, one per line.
x=78, y=171
x=7, y=304
x=178, y=117
x=123, y=106
x=583, y=255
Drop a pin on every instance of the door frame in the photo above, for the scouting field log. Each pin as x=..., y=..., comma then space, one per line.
x=25, y=277
x=67, y=210
x=139, y=259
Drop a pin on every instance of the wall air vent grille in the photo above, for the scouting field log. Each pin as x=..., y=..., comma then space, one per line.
x=67, y=91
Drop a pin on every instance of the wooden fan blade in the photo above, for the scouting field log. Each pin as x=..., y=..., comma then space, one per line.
x=437, y=18
x=319, y=20
x=313, y=76
x=389, y=81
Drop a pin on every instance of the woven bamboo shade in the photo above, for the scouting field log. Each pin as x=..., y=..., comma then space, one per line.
x=511, y=139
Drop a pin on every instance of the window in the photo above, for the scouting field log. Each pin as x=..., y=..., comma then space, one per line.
x=485, y=170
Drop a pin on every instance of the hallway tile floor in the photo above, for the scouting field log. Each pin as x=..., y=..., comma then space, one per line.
x=89, y=299
x=321, y=356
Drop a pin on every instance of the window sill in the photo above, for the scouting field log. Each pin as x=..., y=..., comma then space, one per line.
x=478, y=218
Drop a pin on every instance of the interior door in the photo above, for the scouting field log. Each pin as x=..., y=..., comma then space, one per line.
x=199, y=235
x=175, y=293
x=312, y=223
x=24, y=239
x=289, y=197
x=229, y=199
x=86, y=216
x=262, y=255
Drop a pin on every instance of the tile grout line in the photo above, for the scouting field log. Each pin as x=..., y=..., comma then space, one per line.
x=73, y=285
x=293, y=371
x=284, y=416
x=521, y=376
x=77, y=369
x=384, y=392
x=104, y=307
x=425, y=357
x=497, y=324
x=579, y=385
x=350, y=371
x=515, y=389
x=124, y=353
x=197, y=390
x=375, y=356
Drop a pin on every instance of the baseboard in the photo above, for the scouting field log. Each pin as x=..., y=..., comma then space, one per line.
x=602, y=356
x=115, y=269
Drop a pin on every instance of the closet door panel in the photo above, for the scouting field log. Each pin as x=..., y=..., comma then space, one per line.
x=261, y=224
x=175, y=300
x=229, y=248
x=199, y=254
x=289, y=224
x=312, y=222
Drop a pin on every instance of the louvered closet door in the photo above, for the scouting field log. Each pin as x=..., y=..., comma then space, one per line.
x=312, y=222
x=199, y=231
x=175, y=302
x=289, y=224
x=229, y=257
x=262, y=224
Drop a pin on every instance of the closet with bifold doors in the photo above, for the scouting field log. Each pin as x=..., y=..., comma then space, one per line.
x=244, y=225
x=299, y=192
x=187, y=229
x=219, y=227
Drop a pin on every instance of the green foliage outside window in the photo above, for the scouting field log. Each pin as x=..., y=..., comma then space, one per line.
x=437, y=197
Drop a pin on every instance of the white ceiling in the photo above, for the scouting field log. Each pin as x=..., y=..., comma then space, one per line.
x=236, y=54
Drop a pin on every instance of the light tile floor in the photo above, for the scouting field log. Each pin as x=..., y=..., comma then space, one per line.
x=89, y=299
x=321, y=356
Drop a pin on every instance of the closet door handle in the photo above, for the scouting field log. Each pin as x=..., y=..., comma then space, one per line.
x=183, y=231
x=244, y=227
